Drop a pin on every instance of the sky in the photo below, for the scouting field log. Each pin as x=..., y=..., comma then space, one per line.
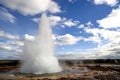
x=82, y=29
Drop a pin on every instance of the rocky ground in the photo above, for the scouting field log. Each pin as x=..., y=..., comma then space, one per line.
x=71, y=72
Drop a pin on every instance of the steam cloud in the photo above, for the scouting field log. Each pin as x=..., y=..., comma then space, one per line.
x=39, y=54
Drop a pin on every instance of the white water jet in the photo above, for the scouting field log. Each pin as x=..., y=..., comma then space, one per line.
x=38, y=55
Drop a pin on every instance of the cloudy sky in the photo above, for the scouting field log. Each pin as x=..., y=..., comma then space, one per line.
x=82, y=29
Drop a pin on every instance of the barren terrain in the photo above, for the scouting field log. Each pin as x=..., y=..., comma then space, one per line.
x=71, y=71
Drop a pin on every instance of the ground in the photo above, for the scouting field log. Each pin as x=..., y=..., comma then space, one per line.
x=70, y=71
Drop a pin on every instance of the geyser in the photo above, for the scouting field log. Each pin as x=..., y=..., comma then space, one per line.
x=38, y=55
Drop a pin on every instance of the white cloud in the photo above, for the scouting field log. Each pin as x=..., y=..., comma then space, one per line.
x=72, y=1
x=77, y=55
x=8, y=36
x=112, y=20
x=59, y=21
x=15, y=42
x=110, y=50
x=53, y=7
x=6, y=56
x=6, y=16
x=29, y=37
x=81, y=26
x=10, y=56
x=10, y=45
x=6, y=47
x=105, y=34
x=37, y=20
x=70, y=23
x=90, y=55
x=95, y=39
x=54, y=37
x=67, y=39
x=106, y=2
x=55, y=20
x=89, y=24
x=31, y=7
x=108, y=42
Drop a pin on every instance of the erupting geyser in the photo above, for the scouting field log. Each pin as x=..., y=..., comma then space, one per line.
x=38, y=55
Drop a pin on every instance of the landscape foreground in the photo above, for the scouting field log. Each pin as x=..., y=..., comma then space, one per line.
x=72, y=70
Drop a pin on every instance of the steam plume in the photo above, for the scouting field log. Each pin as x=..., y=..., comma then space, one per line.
x=39, y=54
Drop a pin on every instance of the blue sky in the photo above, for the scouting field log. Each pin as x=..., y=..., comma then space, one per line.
x=82, y=29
